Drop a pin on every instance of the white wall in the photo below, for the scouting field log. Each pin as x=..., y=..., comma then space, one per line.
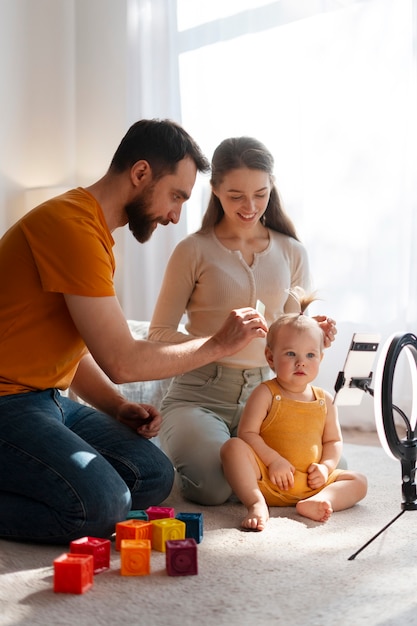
x=101, y=84
x=63, y=93
x=37, y=113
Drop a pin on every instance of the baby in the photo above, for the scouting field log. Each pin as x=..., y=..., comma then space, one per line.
x=289, y=439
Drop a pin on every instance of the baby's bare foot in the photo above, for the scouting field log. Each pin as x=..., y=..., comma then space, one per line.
x=318, y=510
x=257, y=517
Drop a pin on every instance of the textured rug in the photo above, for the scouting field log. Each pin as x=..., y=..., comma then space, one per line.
x=296, y=572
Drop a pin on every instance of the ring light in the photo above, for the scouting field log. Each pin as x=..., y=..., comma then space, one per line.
x=403, y=449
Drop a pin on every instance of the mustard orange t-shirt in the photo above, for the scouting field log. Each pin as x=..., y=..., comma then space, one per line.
x=61, y=247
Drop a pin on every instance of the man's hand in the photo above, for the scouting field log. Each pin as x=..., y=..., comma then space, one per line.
x=240, y=327
x=143, y=418
x=124, y=359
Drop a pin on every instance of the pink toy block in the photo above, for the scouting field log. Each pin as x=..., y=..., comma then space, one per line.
x=159, y=512
x=135, y=557
x=181, y=557
x=164, y=529
x=194, y=525
x=133, y=529
x=99, y=548
x=73, y=573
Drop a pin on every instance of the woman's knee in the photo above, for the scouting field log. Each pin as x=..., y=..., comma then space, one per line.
x=230, y=446
x=205, y=486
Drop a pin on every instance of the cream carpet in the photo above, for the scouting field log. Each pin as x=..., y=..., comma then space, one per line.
x=295, y=573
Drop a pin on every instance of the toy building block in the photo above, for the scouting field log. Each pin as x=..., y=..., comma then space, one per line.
x=160, y=512
x=73, y=573
x=193, y=524
x=135, y=557
x=164, y=529
x=99, y=548
x=181, y=557
x=140, y=514
x=133, y=529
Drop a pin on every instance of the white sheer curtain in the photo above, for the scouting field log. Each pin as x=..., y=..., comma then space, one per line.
x=154, y=93
x=330, y=86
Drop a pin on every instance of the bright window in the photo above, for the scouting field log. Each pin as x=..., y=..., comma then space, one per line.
x=192, y=13
x=330, y=88
x=333, y=96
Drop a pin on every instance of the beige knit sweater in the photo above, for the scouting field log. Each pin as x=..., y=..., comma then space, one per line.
x=205, y=280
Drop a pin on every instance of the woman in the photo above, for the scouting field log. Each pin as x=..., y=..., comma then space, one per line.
x=246, y=251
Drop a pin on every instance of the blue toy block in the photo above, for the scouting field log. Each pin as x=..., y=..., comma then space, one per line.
x=139, y=514
x=193, y=525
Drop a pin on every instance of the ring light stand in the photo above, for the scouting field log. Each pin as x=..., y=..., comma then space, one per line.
x=403, y=449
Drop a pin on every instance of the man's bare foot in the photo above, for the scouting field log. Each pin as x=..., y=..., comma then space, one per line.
x=318, y=510
x=257, y=517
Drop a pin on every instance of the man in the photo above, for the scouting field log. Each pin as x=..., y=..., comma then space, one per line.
x=69, y=470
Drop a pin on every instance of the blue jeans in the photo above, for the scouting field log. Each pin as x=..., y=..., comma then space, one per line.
x=201, y=411
x=69, y=471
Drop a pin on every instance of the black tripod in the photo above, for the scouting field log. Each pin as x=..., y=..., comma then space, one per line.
x=403, y=449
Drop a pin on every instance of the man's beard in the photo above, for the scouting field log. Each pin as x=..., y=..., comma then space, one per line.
x=141, y=224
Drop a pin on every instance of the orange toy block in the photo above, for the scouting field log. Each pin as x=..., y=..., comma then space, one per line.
x=165, y=529
x=132, y=529
x=73, y=573
x=99, y=548
x=135, y=557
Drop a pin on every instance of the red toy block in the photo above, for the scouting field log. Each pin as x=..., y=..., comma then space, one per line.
x=164, y=529
x=135, y=557
x=181, y=557
x=99, y=548
x=159, y=512
x=133, y=529
x=73, y=573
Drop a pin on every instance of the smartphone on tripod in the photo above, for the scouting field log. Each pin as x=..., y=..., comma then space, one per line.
x=357, y=372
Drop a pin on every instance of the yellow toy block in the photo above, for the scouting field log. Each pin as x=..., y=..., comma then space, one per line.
x=132, y=529
x=166, y=529
x=135, y=557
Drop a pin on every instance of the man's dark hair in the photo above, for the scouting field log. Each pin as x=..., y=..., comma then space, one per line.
x=163, y=143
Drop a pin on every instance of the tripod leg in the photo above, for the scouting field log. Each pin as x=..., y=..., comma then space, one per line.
x=351, y=558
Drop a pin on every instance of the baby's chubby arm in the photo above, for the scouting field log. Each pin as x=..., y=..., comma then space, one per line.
x=332, y=443
x=281, y=472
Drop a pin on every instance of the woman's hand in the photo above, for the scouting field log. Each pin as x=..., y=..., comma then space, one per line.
x=328, y=327
x=144, y=418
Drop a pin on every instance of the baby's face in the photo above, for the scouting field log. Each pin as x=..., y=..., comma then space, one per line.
x=296, y=355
